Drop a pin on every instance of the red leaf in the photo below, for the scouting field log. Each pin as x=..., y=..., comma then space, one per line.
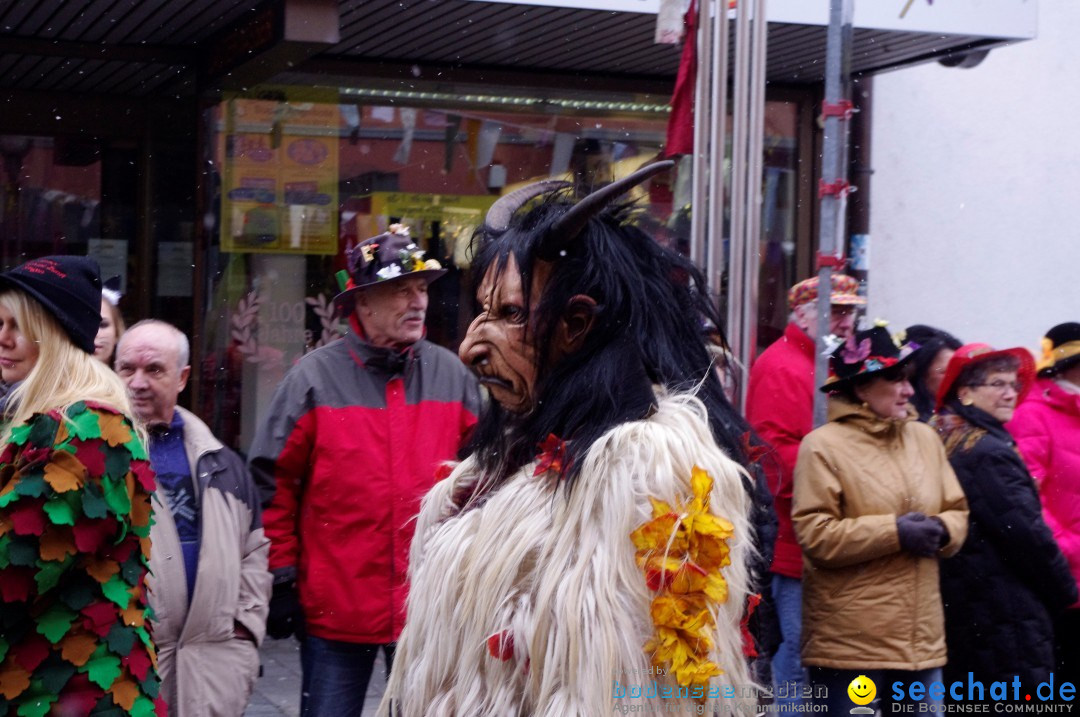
x=501, y=645
x=91, y=535
x=749, y=648
x=32, y=456
x=120, y=553
x=657, y=580
x=31, y=651
x=752, y=452
x=99, y=617
x=137, y=662
x=80, y=696
x=552, y=454
x=27, y=517
x=89, y=453
x=144, y=474
x=16, y=583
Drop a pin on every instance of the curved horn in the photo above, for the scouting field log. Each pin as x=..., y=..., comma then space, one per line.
x=498, y=217
x=570, y=224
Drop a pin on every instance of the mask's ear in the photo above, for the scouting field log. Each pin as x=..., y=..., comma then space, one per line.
x=575, y=324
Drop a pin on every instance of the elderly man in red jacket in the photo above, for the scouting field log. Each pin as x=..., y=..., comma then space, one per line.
x=779, y=406
x=352, y=441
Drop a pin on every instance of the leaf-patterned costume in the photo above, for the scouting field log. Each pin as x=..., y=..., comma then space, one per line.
x=74, y=543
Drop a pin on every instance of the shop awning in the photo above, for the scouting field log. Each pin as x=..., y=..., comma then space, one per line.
x=141, y=49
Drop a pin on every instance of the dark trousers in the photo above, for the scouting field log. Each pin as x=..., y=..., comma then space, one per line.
x=1066, y=630
x=336, y=676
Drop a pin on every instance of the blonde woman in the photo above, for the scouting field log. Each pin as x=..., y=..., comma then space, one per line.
x=75, y=491
x=111, y=327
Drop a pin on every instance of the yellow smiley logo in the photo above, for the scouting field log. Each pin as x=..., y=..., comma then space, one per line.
x=862, y=690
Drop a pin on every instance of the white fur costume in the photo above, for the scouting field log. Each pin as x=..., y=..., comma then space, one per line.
x=560, y=576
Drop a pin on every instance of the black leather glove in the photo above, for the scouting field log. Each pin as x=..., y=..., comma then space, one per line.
x=286, y=615
x=920, y=535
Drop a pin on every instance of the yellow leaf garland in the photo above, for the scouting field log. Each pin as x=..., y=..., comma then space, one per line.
x=681, y=553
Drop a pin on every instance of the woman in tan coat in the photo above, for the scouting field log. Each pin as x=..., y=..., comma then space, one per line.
x=875, y=506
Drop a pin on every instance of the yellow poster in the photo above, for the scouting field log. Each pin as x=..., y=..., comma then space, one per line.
x=280, y=173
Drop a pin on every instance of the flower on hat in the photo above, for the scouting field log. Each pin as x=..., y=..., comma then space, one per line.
x=389, y=271
x=853, y=353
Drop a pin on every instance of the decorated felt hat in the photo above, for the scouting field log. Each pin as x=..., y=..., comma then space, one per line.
x=1060, y=348
x=866, y=353
x=845, y=292
x=387, y=257
x=69, y=287
x=969, y=354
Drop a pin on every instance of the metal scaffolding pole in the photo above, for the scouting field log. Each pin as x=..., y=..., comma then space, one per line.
x=714, y=266
x=833, y=187
x=748, y=126
x=703, y=112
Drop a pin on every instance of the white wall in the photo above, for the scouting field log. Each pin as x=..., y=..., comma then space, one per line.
x=975, y=200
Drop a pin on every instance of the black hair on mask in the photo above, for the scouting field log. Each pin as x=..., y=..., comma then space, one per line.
x=651, y=305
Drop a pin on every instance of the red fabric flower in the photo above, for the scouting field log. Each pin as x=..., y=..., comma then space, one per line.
x=501, y=645
x=748, y=647
x=752, y=451
x=551, y=457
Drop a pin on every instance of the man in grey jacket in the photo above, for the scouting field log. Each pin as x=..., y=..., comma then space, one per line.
x=209, y=584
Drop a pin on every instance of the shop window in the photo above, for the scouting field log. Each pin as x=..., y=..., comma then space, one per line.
x=297, y=174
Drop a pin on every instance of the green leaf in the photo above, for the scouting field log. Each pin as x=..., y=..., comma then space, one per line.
x=120, y=639
x=117, y=591
x=143, y=531
x=151, y=685
x=5, y=539
x=77, y=594
x=23, y=552
x=102, y=668
x=84, y=425
x=93, y=502
x=55, y=622
x=117, y=461
x=31, y=484
x=105, y=707
x=3, y=648
x=62, y=506
x=42, y=431
x=137, y=449
x=8, y=498
x=49, y=572
x=116, y=495
x=144, y=635
x=54, y=674
x=36, y=706
x=19, y=434
x=132, y=569
x=142, y=707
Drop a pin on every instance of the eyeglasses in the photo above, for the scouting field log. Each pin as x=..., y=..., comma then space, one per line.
x=1000, y=385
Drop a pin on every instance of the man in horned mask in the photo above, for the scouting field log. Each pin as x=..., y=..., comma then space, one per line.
x=590, y=552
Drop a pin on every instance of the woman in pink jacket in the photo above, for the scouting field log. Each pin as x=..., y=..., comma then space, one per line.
x=1047, y=431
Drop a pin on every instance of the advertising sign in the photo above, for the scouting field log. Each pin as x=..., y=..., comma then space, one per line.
x=280, y=175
